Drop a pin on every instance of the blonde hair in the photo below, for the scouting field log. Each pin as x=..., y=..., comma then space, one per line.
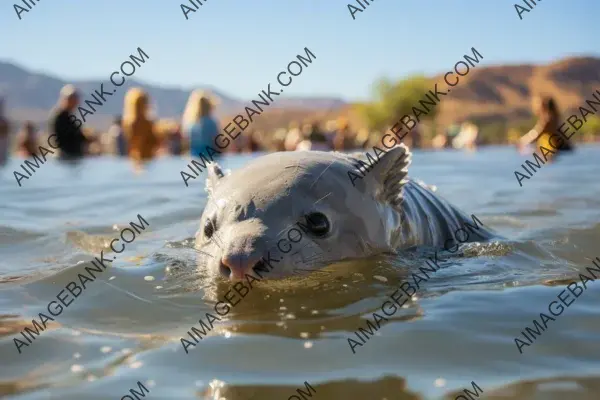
x=68, y=91
x=139, y=130
x=199, y=105
x=363, y=135
x=135, y=105
x=342, y=123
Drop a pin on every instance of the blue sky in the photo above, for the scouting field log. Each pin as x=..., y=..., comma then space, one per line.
x=239, y=46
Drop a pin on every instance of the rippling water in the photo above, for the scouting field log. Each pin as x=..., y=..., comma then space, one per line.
x=459, y=328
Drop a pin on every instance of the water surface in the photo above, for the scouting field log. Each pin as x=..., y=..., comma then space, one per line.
x=127, y=325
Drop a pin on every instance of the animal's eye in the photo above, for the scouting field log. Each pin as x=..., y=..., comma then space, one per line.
x=209, y=228
x=318, y=224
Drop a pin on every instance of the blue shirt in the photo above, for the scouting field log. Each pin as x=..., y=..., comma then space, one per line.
x=202, y=134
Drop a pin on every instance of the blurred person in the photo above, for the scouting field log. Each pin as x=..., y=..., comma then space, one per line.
x=163, y=130
x=234, y=147
x=305, y=130
x=362, y=138
x=116, y=143
x=69, y=137
x=106, y=143
x=467, y=137
x=27, y=141
x=94, y=143
x=4, y=131
x=277, y=142
x=198, y=124
x=293, y=137
x=546, y=110
x=444, y=140
x=259, y=137
x=175, y=141
x=315, y=140
x=344, y=139
x=250, y=143
x=243, y=141
x=331, y=130
x=138, y=129
x=451, y=133
x=440, y=141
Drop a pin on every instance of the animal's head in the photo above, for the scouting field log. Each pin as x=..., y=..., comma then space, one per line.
x=294, y=212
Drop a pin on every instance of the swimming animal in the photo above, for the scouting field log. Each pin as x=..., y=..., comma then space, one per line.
x=291, y=212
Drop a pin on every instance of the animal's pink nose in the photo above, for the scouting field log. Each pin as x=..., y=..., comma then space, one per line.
x=235, y=267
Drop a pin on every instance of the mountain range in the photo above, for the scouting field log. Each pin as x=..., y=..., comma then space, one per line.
x=30, y=96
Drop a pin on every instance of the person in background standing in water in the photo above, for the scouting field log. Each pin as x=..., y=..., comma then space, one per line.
x=116, y=142
x=315, y=140
x=199, y=126
x=69, y=137
x=467, y=137
x=362, y=138
x=175, y=140
x=293, y=136
x=27, y=141
x=331, y=130
x=171, y=143
x=277, y=142
x=4, y=129
x=545, y=109
x=443, y=140
x=138, y=129
x=250, y=142
x=344, y=138
x=94, y=145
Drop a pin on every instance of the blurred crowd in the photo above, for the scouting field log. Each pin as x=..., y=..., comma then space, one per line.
x=140, y=137
x=136, y=135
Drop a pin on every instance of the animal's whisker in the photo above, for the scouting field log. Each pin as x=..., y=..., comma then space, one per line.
x=201, y=252
x=214, y=238
x=215, y=242
x=321, y=174
x=218, y=242
x=322, y=198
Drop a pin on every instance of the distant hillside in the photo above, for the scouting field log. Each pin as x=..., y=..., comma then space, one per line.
x=490, y=94
x=502, y=93
x=32, y=95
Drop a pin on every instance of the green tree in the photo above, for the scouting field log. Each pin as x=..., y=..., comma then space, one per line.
x=494, y=132
x=592, y=126
x=524, y=125
x=394, y=100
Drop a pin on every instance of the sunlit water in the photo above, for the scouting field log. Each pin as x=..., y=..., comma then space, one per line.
x=126, y=326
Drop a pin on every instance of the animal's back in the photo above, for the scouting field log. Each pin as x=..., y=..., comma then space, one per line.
x=431, y=220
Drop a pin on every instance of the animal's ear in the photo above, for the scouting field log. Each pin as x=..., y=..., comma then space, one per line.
x=215, y=173
x=384, y=173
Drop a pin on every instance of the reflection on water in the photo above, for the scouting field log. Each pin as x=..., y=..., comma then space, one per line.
x=127, y=326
